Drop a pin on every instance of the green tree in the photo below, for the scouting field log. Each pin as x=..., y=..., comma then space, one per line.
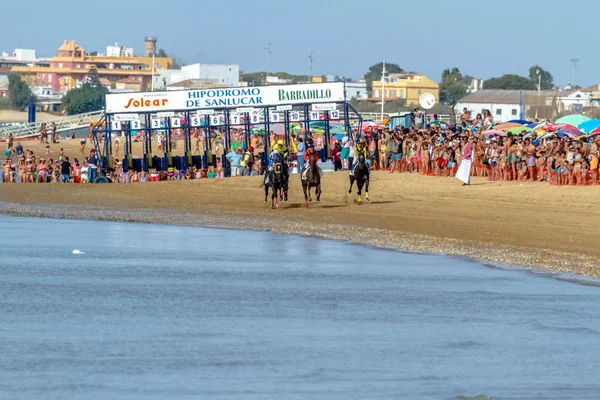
x=92, y=76
x=20, y=95
x=87, y=98
x=177, y=61
x=453, y=86
x=374, y=73
x=510, y=81
x=547, y=79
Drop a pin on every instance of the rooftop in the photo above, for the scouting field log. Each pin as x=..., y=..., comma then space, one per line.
x=509, y=96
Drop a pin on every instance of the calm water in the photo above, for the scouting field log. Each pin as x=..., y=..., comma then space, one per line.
x=155, y=312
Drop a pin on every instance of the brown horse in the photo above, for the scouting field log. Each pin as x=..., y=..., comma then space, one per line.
x=313, y=179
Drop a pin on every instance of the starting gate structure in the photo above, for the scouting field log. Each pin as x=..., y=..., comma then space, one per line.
x=189, y=113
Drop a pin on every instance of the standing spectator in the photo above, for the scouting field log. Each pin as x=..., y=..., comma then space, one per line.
x=248, y=161
x=396, y=150
x=464, y=171
x=65, y=169
x=345, y=150
x=300, y=148
x=93, y=165
x=465, y=116
x=53, y=132
x=43, y=134
x=9, y=141
x=488, y=119
x=351, y=155
x=419, y=118
x=82, y=145
x=382, y=152
x=19, y=149
x=336, y=154
x=235, y=159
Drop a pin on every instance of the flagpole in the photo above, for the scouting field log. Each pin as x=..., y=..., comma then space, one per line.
x=382, y=90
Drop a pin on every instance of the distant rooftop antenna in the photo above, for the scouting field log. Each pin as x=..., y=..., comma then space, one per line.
x=310, y=63
x=269, y=52
x=574, y=61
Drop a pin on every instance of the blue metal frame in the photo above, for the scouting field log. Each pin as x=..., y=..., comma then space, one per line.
x=167, y=159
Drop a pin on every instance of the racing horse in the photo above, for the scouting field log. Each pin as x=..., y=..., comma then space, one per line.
x=311, y=179
x=361, y=176
x=275, y=180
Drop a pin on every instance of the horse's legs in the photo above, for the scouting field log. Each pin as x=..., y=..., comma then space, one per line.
x=351, y=183
x=359, y=186
x=305, y=194
x=266, y=193
x=273, y=197
x=367, y=190
x=309, y=195
x=319, y=192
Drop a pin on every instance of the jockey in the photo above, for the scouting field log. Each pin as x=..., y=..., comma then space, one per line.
x=361, y=148
x=280, y=147
x=307, y=154
x=275, y=158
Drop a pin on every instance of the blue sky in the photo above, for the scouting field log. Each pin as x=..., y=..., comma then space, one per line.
x=482, y=38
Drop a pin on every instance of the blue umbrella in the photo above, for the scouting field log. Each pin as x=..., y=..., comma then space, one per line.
x=519, y=121
x=590, y=125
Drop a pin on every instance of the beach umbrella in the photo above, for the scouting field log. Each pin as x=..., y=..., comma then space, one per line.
x=367, y=124
x=536, y=125
x=507, y=125
x=517, y=130
x=519, y=121
x=572, y=133
x=594, y=131
x=573, y=119
x=494, y=133
x=590, y=125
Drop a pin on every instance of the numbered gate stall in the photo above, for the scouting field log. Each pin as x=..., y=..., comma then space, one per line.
x=220, y=118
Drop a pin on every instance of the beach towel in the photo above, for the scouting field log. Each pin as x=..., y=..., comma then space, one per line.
x=464, y=172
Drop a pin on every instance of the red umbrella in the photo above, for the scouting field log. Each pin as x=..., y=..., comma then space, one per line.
x=595, y=131
x=366, y=125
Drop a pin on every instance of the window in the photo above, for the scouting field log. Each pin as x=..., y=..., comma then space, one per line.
x=393, y=94
x=60, y=65
x=377, y=94
x=420, y=92
x=499, y=111
x=401, y=93
x=49, y=78
x=514, y=111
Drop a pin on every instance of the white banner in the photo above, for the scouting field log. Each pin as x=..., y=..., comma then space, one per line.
x=324, y=107
x=257, y=96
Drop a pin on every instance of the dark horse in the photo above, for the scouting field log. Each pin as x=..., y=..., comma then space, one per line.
x=276, y=181
x=361, y=176
x=313, y=180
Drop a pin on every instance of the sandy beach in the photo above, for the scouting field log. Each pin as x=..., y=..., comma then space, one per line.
x=21, y=116
x=528, y=224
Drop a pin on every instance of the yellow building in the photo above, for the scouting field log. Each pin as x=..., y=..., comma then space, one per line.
x=406, y=86
x=70, y=68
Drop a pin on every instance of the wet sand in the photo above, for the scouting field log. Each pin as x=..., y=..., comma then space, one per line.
x=528, y=224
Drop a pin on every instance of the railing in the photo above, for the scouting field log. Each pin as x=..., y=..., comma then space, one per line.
x=62, y=124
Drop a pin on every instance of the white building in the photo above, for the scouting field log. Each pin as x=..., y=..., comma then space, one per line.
x=356, y=90
x=506, y=105
x=221, y=74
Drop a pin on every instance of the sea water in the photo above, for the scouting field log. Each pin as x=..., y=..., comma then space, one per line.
x=170, y=312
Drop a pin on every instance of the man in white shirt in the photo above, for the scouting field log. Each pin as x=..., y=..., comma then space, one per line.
x=345, y=153
x=418, y=118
